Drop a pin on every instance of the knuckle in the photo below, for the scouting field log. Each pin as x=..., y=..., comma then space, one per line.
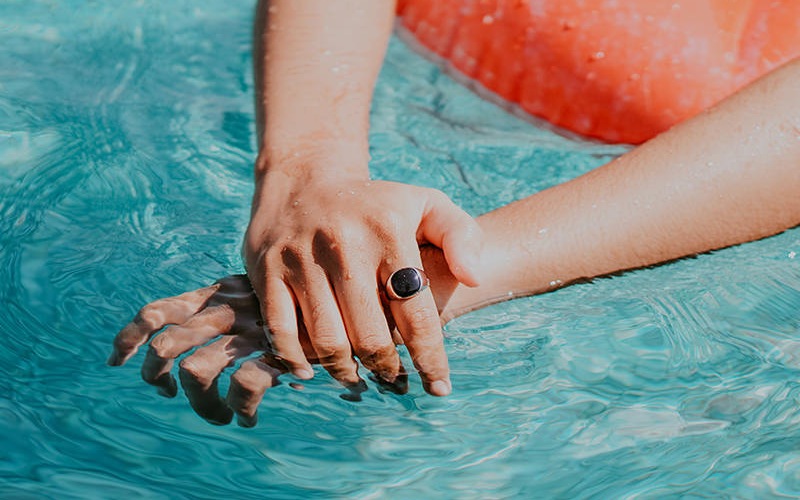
x=345, y=232
x=163, y=346
x=292, y=255
x=329, y=350
x=249, y=380
x=194, y=368
x=423, y=320
x=150, y=315
x=385, y=225
x=281, y=329
x=371, y=346
x=334, y=245
x=378, y=356
x=318, y=314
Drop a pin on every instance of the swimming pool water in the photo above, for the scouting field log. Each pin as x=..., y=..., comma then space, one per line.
x=126, y=140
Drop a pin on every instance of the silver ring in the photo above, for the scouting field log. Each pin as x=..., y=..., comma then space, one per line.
x=406, y=283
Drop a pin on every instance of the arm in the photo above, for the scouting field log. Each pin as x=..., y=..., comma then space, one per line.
x=315, y=66
x=729, y=175
x=323, y=238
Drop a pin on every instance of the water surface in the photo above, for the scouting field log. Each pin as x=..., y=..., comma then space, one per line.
x=125, y=164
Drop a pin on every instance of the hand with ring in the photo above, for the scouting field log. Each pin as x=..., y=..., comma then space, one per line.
x=406, y=283
x=340, y=252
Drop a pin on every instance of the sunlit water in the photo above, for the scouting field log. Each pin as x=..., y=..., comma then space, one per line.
x=125, y=152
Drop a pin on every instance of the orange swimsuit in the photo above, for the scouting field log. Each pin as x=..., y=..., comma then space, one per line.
x=619, y=70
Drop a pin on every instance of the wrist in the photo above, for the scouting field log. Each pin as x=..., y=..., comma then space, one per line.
x=314, y=157
x=509, y=269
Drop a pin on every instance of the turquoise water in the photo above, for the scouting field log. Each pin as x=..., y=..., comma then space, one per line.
x=125, y=151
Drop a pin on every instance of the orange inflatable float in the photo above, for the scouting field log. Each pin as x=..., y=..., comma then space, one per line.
x=618, y=70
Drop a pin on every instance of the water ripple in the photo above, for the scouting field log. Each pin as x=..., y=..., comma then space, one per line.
x=125, y=152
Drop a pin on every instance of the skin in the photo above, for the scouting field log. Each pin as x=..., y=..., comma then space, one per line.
x=323, y=238
x=727, y=176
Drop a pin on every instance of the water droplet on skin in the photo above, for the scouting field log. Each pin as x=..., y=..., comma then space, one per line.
x=295, y=203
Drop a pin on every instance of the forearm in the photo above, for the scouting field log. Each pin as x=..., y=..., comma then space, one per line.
x=315, y=64
x=727, y=176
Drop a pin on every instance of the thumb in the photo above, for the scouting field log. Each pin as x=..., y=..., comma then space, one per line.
x=445, y=225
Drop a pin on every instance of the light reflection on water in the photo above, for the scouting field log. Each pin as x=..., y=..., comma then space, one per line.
x=125, y=148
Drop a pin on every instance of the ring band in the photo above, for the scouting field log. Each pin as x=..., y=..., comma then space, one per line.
x=406, y=283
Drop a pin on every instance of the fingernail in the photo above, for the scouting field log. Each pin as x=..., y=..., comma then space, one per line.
x=440, y=387
x=303, y=373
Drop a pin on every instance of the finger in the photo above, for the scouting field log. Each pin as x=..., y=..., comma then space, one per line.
x=419, y=325
x=450, y=228
x=280, y=313
x=323, y=320
x=387, y=312
x=367, y=328
x=200, y=372
x=153, y=317
x=421, y=330
x=247, y=389
x=178, y=339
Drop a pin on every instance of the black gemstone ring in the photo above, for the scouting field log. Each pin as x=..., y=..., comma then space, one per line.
x=406, y=283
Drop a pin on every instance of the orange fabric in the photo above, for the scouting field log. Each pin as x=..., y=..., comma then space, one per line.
x=619, y=70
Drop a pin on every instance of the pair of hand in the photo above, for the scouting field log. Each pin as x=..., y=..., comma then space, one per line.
x=319, y=266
